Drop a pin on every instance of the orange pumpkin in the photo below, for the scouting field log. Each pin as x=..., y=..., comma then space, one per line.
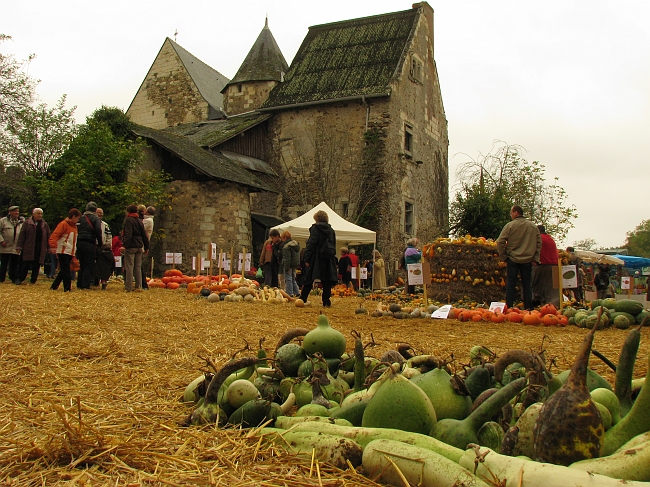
x=550, y=320
x=173, y=285
x=498, y=318
x=453, y=313
x=514, y=317
x=477, y=317
x=465, y=315
x=532, y=319
x=548, y=309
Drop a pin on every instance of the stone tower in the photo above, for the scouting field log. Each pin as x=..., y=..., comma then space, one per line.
x=263, y=68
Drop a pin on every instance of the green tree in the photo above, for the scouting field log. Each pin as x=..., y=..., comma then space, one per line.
x=505, y=174
x=37, y=136
x=99, y=166
x=638, y=241
x=478, y=212
x=16, y=87
x=585, y=244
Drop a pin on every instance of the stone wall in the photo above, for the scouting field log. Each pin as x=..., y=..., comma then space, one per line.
x=167, y=96
x=202, y=213
x=245, y=97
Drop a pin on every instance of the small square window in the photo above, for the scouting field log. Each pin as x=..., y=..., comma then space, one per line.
x=408, y=218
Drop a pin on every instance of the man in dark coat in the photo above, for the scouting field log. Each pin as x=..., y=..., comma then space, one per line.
x=32, y=246
x=320, y=258
x=89, y=238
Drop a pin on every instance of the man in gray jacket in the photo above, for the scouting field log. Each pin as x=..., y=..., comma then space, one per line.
x=10, y=227
x=519, y=246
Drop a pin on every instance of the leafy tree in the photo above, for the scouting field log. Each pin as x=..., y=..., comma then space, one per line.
x=99, y=166
x=505, y=174
x=37, y=136
x=638, y=241
x=585, y=244
x=16, y=87
x=478, y=212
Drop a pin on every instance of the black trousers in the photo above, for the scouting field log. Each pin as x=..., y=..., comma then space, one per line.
x=86, y=256
x=64, y=274
x=29, y=265
x=327, y=291
x=9, y=264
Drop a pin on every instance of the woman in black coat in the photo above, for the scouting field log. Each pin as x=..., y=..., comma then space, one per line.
x=320, y=258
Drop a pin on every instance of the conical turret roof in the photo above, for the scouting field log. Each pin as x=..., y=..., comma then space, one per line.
x=264, y=61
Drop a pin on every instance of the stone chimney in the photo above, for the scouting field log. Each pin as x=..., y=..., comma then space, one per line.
x=428, y=13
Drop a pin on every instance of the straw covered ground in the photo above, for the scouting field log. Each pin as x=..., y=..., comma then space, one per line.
x=91, y=382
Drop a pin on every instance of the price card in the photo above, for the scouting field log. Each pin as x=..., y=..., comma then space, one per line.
x=415, y=274
x=247, y=262
x=364, y=272
x=625, y=282
x=497, y=307
x=118, y=260
x=214, y=251
x=569, y=277
x=169, y=258
x=442, y=312
x=205, y=263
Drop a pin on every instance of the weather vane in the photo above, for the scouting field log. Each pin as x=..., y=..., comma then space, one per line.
x=175, y=34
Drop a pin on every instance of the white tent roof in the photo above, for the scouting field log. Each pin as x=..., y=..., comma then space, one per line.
x=346, y=232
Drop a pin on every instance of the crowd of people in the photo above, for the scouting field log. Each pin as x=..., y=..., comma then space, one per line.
x=283, y=262
x=81, y=246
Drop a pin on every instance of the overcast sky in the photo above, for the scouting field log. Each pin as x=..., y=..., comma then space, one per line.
x=567, y=80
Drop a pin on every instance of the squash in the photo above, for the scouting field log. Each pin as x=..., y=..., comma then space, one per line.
x=324, y=339
x=569, y=426
x=438, y=388
x=629, y=306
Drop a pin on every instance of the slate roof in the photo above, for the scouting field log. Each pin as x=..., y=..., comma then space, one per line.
x=347, y=59
x=214, y=132
x=264, y=61
x=213, y=165
x=209, y=81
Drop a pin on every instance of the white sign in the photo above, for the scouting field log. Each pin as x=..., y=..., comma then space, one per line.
x=625, y=282
x=497, y=307
x=363, y=272
x=442, y=312
x=225, y=265
x=247, y=263
x=205, y=263
x=193, y=263
x=569, y=277
x=214, y=251
x=118, y=260
x=173, y=258
x=415, y=274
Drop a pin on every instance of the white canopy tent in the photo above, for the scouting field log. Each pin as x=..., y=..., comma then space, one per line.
x=346, y=233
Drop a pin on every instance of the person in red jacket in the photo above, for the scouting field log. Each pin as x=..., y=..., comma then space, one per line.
x=543, y=291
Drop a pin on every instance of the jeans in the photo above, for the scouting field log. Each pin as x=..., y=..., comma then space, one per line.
x=290, y=284
x=133, y=265
x=526, y=272
x=64, y=273
x=86, y=256
x=9, y=263
x=52, y=258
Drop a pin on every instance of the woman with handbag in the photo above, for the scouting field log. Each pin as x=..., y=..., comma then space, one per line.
x=63, y=243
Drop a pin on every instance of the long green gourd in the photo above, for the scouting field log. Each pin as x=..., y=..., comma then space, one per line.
x=634, y=423
x=625, y=369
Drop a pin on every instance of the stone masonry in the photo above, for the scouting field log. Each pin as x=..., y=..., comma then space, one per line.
x=167, y=96
x=247, y=96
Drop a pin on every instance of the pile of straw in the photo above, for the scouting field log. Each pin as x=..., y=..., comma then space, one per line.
x=92, y=381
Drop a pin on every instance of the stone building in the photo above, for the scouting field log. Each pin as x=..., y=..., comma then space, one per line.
x=357, y=121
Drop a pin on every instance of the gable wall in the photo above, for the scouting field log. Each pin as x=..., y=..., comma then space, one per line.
x=168, y=96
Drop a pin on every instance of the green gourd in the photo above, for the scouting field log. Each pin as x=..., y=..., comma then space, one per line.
x=460, y=433
x=625, y=370
x=635, y=422
x=399, y=404
x=324, y=339
x=436, y=384
x=569, y=427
